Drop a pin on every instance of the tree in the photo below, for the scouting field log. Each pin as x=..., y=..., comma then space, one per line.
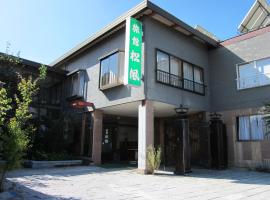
x=16, y=128
x=4, y=105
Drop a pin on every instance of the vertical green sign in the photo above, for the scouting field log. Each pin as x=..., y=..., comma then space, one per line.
x=133, y=52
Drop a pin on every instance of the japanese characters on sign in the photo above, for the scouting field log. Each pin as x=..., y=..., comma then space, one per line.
x=133, y=52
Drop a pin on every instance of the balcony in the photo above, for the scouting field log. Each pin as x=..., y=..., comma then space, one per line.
x=179, y=82
x=253, y=81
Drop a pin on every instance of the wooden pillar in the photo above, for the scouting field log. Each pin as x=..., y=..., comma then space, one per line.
x=82, y=134
x=97, y=116
x=182, y=146
x=161, y=134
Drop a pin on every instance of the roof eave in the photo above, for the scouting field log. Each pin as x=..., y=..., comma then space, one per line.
x=134, y=11
x=103, y=31
x=185, y=26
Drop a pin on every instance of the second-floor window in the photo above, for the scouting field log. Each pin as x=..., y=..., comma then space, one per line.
x=179, y=73
x=51, y=95
x=76, y=84
x=253, y=74
x=111, y=70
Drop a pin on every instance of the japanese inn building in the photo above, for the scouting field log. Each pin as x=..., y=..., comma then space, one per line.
x=125, y=84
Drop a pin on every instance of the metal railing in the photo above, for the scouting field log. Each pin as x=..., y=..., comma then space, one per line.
x=253, y=81
x=179, y=82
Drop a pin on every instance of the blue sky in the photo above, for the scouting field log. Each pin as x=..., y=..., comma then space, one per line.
x=43, y=30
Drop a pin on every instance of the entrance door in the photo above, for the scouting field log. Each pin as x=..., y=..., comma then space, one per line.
x=200, y=144
x=177, y=145
x=88, y=135
x=109, y=138
x=77, y=133
x=119, y=139
x=169, y=145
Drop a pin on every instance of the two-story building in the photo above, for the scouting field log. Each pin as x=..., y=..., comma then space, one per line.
x=178, y=65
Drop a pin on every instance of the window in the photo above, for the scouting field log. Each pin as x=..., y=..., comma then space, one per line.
x=76, y=84
x=163, y=65
x=111, y=70
x=178, y=73
x=198, y=79
x=163, y=61
x=251, y=127
x=188, y=76
x=55, y=94
x=253, y=74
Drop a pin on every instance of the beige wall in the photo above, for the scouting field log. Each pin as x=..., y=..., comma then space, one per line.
x=248, y=153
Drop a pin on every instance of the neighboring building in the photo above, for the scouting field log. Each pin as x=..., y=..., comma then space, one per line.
x=47, y=103
x=48, y=100
x=180, y=66
x=257, y=17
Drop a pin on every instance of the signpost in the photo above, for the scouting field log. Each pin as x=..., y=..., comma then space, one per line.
x=133, y=52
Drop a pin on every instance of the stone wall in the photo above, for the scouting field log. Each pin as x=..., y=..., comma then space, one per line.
x=249, y=154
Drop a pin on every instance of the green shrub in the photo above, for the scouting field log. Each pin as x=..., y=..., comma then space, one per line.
x=153, y=159
x=15, y=127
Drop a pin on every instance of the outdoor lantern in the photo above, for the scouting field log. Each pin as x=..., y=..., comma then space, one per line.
x=181, y=110
x=215, y=116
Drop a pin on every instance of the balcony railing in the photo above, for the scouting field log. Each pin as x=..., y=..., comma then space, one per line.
x=179, y=82
x=253, y=81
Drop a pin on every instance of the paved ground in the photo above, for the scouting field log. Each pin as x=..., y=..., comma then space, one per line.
x=99, y=183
